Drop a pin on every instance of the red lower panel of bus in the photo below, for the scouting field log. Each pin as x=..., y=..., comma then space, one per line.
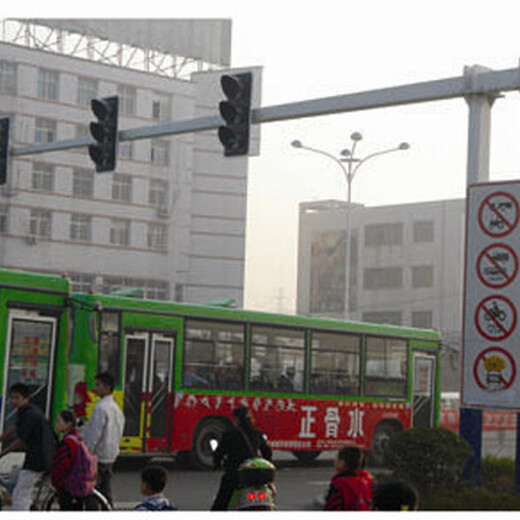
x=491, y=421
x=289, y=423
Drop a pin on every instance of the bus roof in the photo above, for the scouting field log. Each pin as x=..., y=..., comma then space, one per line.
x=232, y=314
x=23, y=279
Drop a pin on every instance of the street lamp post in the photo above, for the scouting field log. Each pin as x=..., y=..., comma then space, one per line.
x=349, y=171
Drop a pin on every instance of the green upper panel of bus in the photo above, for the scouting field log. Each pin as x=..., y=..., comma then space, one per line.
x=23, y=279
x=111, y=302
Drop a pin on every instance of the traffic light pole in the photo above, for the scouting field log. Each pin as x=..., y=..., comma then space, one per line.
x=470, y=84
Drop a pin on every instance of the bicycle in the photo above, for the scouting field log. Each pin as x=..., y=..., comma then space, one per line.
x=42, y=488
x=45, y=497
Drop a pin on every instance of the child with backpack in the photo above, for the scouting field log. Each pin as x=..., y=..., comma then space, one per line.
x=351, y=487
x=74, y=468
x=153, y=482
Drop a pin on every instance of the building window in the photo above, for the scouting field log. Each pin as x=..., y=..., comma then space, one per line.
x=127, y=99
x=48, y=84
x=423, y=231
x=384, y=234
x=120, y=232
x=83, y=183
x=157, y=237
x=122, y=187
x=161, y=108
x=383, y=278
x=157, y=290
x=422, y=319
x=43, y=176
x=87, y=90
x=422, y=276
x=40, y=223
x=4, y=219
x=80, y=228
x=82, y=282
x=389, y=317
x=158, y=193
x=160, y=152
x=7, y=77
x=126, y=150
x=44, y=130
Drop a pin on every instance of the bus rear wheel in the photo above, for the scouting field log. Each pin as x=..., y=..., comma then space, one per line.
x=207, y=430
x=306, y=456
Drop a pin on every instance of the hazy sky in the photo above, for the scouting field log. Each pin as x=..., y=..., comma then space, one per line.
x=325, y=48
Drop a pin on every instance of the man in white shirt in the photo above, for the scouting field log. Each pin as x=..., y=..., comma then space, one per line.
x=104, y=430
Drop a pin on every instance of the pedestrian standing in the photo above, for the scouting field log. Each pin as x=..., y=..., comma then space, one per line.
x=103, y=432
x=33, y=432
x=351, y=487
x=239, y=442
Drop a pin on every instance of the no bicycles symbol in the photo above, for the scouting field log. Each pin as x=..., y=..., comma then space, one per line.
x=494, y=369
x=497, y=266
x=495, y=318
x=498, y=214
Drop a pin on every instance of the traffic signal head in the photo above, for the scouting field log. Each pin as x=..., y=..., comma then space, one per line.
x=236, y=112
x=104, y=131
x=4, y=148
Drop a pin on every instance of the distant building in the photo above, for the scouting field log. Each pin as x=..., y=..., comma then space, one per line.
x=171, y=219
x=406, y=267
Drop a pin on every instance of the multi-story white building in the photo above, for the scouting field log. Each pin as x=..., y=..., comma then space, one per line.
x=406, y=267
x=171, y=219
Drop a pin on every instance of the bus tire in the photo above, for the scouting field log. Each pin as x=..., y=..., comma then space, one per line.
x=384, y=431
x=306, y=456
x=207, y=430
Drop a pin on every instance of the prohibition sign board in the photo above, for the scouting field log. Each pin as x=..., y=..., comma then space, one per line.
x=497, y=266
x=495, y=317
x=498, y=214
x=494, y=369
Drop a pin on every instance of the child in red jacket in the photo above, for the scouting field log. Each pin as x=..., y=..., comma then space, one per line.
x=351, y=487
x=63, y=460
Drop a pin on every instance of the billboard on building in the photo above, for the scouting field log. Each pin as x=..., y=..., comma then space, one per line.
x=327, y=272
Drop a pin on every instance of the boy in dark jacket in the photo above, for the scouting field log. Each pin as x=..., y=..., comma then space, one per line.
x=351, y=487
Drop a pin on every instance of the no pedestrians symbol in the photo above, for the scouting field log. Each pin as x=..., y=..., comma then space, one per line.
x=497, y=266
x=495, y=318
x=498, y=214
x=494, y=369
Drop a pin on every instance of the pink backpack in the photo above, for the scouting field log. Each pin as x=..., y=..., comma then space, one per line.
x=82, y=477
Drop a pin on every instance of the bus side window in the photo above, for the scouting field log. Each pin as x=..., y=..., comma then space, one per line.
x=386, y=367
x=335, y=363
x=109, y=353
x=214, y=355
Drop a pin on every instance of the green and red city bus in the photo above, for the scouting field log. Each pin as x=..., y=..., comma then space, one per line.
x=312, y=383
x=34, y=333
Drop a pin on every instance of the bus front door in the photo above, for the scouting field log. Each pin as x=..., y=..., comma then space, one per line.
x=423, y=410
x=147, y=401
x=30, y=351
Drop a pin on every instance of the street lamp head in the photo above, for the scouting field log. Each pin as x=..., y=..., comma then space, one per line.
x=356, y=136
x=345, y=153
x=404, y=146
x=297, y=144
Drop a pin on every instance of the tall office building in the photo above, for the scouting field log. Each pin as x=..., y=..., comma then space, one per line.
x=171, y=218
x=406, y=267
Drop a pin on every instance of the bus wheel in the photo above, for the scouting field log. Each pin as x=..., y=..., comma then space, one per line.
x=306, y=456
x=207, y=430
x=382, y=435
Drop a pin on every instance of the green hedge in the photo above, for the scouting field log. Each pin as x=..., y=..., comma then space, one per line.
x=429, y=458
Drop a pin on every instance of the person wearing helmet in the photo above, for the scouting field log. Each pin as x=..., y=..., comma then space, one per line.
x=239, y=442
x=256, y=491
